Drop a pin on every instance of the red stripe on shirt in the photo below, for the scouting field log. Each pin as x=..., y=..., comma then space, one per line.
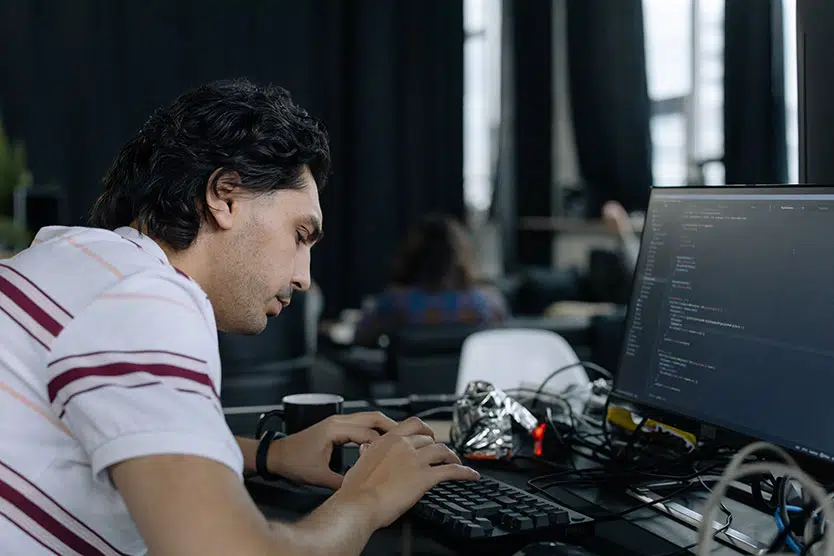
x=80, y=523
x=26, y=505
x=34, y=285
x=128, y=351
x=29, y=307
x=120, y=369
x=24, y=328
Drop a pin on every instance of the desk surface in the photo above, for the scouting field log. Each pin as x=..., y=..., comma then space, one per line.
x=644, y=532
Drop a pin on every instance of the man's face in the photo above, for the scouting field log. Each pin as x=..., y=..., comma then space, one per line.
x=266, y=256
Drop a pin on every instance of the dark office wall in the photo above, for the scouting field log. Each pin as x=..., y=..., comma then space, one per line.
x=755, y=146
x=815, y=36
x=78, y=78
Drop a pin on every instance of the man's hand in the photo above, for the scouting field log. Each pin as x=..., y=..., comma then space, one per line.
x=395, y=471
x=189, y=505
x=304, y=457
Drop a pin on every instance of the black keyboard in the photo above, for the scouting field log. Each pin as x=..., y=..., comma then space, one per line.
x=492, y=510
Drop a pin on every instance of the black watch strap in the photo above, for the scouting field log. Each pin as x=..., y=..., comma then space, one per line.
x=260, y=456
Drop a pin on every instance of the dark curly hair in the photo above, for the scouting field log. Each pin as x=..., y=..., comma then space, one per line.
x=437, y=256
x=159, y=178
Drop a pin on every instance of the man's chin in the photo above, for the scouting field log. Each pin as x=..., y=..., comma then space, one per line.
x=249, y=328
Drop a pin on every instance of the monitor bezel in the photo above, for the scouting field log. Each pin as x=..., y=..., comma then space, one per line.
x=720, y=434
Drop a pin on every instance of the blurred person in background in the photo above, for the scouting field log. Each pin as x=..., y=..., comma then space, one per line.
x=615, y=215
x=112, y=437
x=433, y=283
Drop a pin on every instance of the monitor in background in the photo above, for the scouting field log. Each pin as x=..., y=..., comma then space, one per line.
x=731, y=320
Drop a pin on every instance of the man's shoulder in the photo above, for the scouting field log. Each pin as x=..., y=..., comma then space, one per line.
x=77, y=265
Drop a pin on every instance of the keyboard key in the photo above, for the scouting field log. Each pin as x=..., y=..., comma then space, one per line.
x=485, y=509
x=540, y=520
x=488, y=508
x=483, y=523
x=521, y=523
x=558, y=517
x=456, y=510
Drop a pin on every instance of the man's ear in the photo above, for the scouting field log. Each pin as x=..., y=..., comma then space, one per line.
x=221, y=197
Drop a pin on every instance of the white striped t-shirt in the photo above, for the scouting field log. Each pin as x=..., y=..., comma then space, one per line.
x=106, y=353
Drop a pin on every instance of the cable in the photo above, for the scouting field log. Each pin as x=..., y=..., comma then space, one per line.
x=584, y=364
x=782, y=516
x=723, y=529
x=738, y=469
x=433, y=411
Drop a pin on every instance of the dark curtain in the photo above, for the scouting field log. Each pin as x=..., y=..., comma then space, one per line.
x=815, y=42
x=79, y=77
x=525, y=163
x=755, y=149
x=610, y=100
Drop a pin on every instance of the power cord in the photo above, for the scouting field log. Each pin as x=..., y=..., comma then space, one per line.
x=434, y=411
x=584, y=364
x=723, y=529
x=738, y=469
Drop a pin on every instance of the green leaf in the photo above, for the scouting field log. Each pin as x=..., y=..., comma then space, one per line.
x=13, y=236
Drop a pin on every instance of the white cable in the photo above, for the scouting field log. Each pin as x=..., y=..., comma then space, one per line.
x=737, y=469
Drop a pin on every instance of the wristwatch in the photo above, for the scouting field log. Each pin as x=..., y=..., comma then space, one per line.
x=263, y=450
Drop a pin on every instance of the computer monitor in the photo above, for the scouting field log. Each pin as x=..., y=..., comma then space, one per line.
x=731, y=320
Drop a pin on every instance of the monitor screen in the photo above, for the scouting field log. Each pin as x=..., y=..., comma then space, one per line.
x=731, y=320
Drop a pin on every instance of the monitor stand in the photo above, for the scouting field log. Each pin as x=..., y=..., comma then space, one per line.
x=677, y=511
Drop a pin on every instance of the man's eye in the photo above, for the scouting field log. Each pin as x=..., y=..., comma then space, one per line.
x=299, y=239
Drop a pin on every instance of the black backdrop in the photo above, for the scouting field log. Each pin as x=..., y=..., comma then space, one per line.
x=78, y=77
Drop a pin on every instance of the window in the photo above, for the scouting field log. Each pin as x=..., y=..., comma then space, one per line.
x=481, y=99
x=668, y=28
x=685, y=73
x=708, y=92
x=685, y=65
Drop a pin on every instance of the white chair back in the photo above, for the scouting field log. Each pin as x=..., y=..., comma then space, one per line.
x=519, y=358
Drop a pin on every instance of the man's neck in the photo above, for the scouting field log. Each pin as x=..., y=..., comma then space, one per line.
x=191, y=261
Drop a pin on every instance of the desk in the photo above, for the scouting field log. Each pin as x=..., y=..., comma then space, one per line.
x=645, y=532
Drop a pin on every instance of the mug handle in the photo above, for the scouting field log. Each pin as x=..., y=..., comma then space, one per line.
x=261, y=429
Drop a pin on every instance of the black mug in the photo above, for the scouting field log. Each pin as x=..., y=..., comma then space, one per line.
x=301, y=411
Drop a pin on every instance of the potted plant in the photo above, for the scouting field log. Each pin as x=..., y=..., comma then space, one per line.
x=14, y=175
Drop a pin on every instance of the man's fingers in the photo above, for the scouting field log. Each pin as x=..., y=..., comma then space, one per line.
x=331, y=479
x=342, y=433
x=453, y=472
x=436, y=454
x=413, y=426
x=420, y=440
x=371, y=420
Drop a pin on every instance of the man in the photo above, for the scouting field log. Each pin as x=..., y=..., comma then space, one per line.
x=112, y=439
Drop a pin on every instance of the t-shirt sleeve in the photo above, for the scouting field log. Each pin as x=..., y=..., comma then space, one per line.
x=137, y=373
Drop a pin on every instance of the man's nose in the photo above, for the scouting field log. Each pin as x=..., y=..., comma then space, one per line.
x=301, y=280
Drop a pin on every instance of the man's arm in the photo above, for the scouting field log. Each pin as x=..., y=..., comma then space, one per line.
x=248, y=447
x=188, y=505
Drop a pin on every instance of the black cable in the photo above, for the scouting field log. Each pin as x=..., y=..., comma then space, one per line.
x=584, y=364
x=623, y=454
x=782, y=486
x=666, y=498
